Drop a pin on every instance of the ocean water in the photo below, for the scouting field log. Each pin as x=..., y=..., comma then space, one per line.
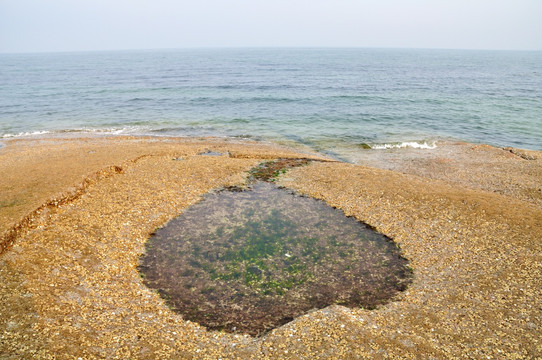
x=333, y=100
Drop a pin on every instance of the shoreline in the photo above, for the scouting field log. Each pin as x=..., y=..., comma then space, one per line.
x=467, y=216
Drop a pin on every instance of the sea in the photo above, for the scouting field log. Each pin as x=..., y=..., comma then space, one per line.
x=332, y=100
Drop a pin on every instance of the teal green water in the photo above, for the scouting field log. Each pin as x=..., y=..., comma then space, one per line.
x=330, y=99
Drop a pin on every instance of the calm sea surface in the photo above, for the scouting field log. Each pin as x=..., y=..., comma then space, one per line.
x=333, y=100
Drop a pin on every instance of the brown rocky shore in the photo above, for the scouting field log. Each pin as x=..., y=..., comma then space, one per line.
x=75, y=215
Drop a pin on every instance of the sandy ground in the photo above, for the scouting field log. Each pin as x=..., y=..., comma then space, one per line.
x=75, y=215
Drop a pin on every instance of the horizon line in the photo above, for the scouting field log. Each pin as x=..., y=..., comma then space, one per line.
x=29, y=52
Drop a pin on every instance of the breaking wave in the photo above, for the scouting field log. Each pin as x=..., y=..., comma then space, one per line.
x=405, y=144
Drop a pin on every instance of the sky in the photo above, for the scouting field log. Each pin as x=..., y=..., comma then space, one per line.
x=82, y=25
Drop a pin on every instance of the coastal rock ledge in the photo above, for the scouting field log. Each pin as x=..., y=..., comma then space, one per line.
x=75, y=215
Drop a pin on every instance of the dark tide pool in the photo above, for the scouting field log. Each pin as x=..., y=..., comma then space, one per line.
x=249, y=261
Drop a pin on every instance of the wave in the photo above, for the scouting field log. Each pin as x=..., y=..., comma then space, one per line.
x=108, y=131
x=25, y=134
x=405, y=144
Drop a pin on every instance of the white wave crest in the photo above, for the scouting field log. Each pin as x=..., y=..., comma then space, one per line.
x=405, y=144
x=136, y=129
x=74, y=132
x=25, y=133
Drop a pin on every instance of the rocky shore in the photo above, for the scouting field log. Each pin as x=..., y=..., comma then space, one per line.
x=75, y=215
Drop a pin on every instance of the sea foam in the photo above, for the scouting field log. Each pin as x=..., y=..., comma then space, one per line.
x=406, y=144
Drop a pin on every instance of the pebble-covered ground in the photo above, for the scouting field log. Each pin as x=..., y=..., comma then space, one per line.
x=508, y=171
x=75, y=215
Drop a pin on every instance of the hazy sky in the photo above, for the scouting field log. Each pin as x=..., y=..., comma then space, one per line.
x=72, y=25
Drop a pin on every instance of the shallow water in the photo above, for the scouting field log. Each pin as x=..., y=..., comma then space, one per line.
x=249, y=261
